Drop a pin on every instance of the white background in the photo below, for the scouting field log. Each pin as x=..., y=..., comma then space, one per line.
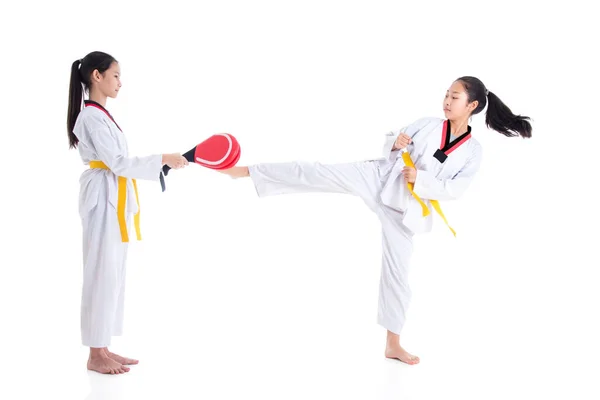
x=231, y=296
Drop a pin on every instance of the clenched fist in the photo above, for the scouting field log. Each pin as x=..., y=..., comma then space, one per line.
x=410, y=174
x=402, y=141
x=174, y=161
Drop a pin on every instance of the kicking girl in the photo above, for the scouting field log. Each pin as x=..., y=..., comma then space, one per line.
x=429, y=160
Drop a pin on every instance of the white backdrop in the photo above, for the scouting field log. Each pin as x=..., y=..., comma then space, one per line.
x=229, y=295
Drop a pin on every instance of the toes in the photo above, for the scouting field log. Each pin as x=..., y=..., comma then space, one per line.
x=403, y=356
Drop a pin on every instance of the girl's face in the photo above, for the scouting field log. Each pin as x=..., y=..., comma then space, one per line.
x=109, y=82
x=456, y=105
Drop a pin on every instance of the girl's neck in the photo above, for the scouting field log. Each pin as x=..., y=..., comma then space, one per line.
x=98, y=97
x=459, y=126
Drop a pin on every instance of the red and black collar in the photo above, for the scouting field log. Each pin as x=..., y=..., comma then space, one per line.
x=91, y=103
x=447, y=147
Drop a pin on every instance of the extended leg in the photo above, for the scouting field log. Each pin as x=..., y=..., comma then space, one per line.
x=358, y=178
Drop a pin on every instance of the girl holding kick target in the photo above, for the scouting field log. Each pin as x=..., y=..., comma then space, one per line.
x=107, y=201
x=109, y=198
x=430, y=160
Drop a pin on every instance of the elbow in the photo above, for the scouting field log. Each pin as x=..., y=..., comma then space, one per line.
x=117, y=165
x=452, y=197
x=453, y=194
x=448, y=193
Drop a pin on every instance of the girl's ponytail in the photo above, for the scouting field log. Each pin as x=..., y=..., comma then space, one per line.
x=75, y=101
x=501, y=119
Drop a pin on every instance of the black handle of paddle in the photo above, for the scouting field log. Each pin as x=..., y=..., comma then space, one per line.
x=189, y=155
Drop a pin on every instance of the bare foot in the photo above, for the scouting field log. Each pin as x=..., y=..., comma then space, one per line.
x=398, y=353
x=236, y=172
x=105, y=365
x=120, y=359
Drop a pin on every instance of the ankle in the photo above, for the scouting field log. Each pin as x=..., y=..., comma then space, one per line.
x=392, y=339
x=96, y=352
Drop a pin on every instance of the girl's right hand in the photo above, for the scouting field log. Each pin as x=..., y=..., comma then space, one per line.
x=402, y=141
x=174, y=160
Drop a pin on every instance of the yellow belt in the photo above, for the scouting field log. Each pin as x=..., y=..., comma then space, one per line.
x=122, y=198
x=436, y=205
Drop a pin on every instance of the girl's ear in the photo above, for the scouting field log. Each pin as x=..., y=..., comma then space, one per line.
x=96, y=76
x=473, y=105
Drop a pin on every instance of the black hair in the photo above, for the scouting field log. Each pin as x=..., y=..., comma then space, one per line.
x=498, y=116
x=81, y=71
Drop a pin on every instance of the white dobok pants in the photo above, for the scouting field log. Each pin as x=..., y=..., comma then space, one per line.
x=104, y=257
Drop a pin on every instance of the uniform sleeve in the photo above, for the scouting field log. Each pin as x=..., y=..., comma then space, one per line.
x=390, y=139
x=107, y=149
x=427, y=186
x=410, y=130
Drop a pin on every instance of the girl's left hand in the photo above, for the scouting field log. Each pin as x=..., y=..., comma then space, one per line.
x=410, y=174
